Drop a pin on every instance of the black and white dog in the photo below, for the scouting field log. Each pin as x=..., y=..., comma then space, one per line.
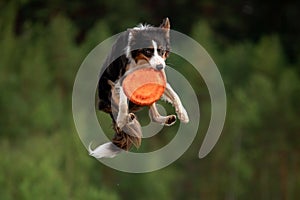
x=143, y=44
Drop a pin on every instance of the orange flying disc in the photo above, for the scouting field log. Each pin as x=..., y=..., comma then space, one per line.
x=144, y=86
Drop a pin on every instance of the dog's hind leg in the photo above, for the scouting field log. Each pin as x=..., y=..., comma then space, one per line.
x=130, y=134
x=156, y=117
x=123, y=116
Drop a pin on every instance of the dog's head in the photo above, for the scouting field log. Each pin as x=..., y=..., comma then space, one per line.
x=147, y=44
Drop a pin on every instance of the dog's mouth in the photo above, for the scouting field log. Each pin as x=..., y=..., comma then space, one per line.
x=144, y=62
x=140, y=62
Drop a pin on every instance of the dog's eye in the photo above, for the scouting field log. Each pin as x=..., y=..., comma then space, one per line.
x=161, y=52
x=148, y=52
x=167, y=53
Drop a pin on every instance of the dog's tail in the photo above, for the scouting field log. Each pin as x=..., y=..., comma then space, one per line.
x=107, y=150
x=130, y=135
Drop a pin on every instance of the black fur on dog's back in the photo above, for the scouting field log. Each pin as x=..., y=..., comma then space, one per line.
x=113, y=68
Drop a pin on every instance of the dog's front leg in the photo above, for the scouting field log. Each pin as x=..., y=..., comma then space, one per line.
x=156, y=117
x=123, y=117
x=171, y=96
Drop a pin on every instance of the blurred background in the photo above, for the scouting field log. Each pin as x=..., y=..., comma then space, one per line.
x=255, y=45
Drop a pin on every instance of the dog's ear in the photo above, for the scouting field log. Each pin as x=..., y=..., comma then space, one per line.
x=131, y=33
x=165, y=24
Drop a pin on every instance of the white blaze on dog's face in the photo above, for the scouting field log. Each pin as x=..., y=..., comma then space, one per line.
x=157, y=61
x=147, y=44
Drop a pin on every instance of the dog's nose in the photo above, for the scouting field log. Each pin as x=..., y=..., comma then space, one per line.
x=159, y=67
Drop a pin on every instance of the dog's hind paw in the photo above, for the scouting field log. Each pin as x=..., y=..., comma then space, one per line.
x=131, y=117
x=122, y=121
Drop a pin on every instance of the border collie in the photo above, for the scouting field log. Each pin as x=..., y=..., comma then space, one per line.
x=143, y=44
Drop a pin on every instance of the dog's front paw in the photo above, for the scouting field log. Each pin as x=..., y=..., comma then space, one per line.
x=183, y=116
x=170, y=120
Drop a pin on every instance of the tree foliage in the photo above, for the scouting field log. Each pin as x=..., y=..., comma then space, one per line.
x=43, y=44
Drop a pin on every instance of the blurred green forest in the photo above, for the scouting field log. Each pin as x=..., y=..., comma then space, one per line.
x=254, y=43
